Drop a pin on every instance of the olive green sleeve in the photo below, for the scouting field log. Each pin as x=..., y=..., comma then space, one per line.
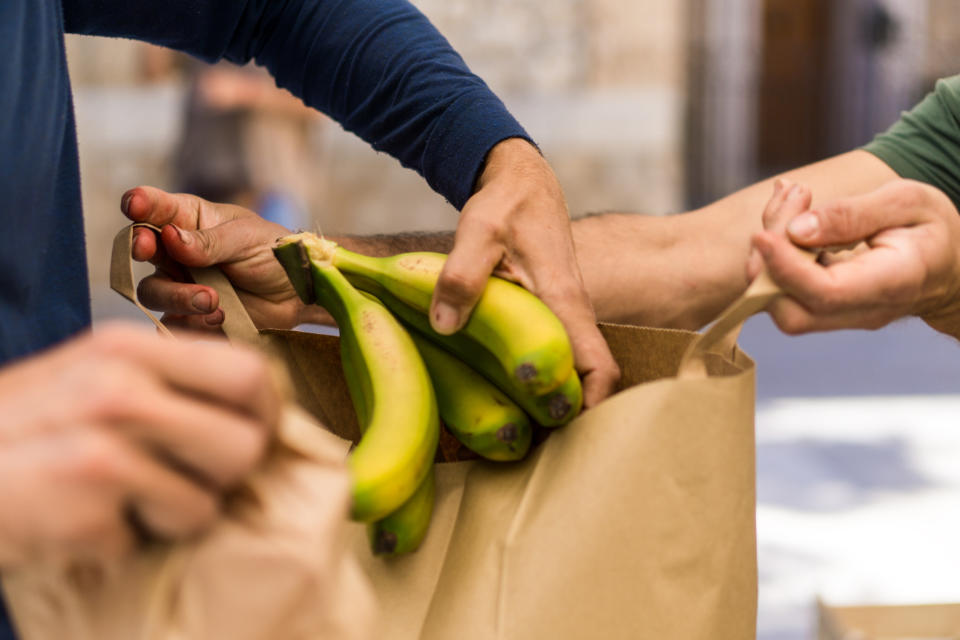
x=924, y=144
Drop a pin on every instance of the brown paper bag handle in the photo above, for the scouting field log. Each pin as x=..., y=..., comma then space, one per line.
x=722, y=334
x=297, y=429
x=237, y=324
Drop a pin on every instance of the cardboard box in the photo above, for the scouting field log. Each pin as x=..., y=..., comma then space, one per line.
x=910, y=622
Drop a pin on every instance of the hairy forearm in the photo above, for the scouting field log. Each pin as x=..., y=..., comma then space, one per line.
x=681, y=271
x=394, y=243
x=672, y=271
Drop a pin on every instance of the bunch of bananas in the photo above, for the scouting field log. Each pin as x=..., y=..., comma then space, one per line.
x=403, y=377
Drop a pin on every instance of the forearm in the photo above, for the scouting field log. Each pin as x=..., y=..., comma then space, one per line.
x=681, y=271
x=672, y=271
x=378, y=67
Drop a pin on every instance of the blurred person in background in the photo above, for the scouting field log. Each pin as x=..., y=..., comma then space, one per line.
x=108, y=435
x=886, y=216
x=243, y=140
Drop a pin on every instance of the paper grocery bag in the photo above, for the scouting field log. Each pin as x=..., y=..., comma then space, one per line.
x=636, y=520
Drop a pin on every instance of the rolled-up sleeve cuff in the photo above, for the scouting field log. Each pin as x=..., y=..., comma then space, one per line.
x=456, y=151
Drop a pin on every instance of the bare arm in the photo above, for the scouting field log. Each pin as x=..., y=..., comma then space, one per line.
x=675, y=271
x=681, y=271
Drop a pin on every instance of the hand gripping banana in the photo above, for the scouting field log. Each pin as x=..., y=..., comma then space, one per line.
x=403, y=530
x=478, y=414
x=388, y=383
x=552, y=409
x=509, y=322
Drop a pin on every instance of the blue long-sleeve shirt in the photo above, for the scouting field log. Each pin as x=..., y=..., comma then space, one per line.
x=377, y=66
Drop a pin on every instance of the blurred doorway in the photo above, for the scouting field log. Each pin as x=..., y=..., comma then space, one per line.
x=775, y=84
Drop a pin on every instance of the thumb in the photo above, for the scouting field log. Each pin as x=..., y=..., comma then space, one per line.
x=462, y=281
x=851, y=220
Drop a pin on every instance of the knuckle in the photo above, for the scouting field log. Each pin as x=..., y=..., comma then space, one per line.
x=612, y=373
x=840, y=217
x=93, y=528
x=791, y=324
x=110, y=392
x=253, y=371
x=206, y=513
x=249, y=450
x=459, y=285
x=208, y=242
x=98, y=458
x=909, y=194
x=486, y=226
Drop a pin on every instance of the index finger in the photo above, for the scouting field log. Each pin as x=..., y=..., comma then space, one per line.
x=159, y=208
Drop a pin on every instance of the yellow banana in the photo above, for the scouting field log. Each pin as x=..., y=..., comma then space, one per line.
x=403, y=530
x=509, y=322
x=549, y=410
x=476, y=412
x=388, y=383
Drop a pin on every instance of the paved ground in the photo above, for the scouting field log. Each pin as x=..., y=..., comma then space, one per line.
x=858, y=481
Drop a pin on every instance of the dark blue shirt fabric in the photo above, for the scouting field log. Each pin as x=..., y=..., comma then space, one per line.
x=376, y=66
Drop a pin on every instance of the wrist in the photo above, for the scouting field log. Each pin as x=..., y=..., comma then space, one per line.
x=945, y=320
x=505, y=157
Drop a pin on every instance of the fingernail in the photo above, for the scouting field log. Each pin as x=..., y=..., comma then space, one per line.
x=796, y=192
x=185, y=236
x=125, y=202
x=804, y=226
x=445, y=319
x=202, y=302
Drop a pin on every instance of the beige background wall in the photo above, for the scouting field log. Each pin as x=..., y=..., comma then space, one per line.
x=598, y=83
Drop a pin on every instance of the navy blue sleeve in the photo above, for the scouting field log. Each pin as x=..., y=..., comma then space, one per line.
x=6, y=627
x=376, y=66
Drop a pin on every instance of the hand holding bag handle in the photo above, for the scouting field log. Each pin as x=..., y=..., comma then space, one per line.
x=722, y=334
x=237, y=324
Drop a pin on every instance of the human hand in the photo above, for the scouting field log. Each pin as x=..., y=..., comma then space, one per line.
x=197, y=233
x=904, y=260
x=516, y=226
x=122, y=431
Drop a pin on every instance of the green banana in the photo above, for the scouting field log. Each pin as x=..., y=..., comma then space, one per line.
x=388, y=383
x=549, y=410
x=476, y=412
x=508, y=322
x=403, y=530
